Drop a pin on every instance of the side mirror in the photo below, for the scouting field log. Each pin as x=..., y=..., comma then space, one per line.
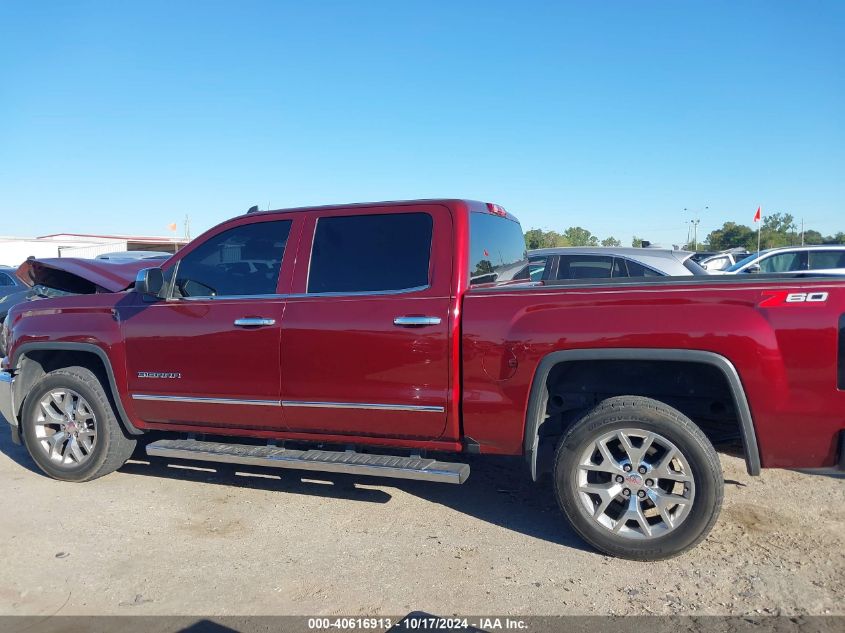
x=149, y=282
x=753, y=268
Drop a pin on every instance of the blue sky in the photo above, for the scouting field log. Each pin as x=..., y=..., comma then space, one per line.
x=124, y=117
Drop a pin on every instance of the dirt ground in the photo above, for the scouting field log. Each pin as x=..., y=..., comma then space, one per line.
x=157, y=539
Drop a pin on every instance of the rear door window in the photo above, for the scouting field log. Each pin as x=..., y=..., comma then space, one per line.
x=585, y=267
x=821, y=260
x=386, y=252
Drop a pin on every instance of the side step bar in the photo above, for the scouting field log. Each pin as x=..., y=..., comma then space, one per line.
x=325, y=461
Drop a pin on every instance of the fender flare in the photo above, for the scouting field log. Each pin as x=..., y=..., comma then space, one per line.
x=81, y=347
x=534, y=415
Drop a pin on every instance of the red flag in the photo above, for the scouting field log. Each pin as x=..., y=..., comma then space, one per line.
x=758, y=216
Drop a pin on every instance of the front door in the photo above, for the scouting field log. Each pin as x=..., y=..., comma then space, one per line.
x=208, y=355
x=365, y=342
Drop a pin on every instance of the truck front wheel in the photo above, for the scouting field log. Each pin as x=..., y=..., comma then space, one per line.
x=70, y=428
x=638, y=479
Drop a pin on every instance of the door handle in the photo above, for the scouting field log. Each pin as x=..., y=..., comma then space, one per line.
x=416, y=321
x=254, y=322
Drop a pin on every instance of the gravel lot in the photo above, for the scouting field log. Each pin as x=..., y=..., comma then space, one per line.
x=154, y=539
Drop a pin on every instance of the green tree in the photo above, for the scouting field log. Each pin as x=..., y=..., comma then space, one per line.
x=637, y=242
x=778, y=230
x=611, y=241
x=577, y=236
x=732, y=235
x=812, y=237
x=538, y=238
x=839, y=238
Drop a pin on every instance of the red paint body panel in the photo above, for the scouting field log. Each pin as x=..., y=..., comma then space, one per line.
x=477, y=365
x=785, y=357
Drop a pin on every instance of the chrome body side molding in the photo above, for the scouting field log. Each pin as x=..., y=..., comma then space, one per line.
x=362, y=405
x=198, y=400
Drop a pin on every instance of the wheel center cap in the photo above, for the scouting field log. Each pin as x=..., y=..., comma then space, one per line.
x=633, y=479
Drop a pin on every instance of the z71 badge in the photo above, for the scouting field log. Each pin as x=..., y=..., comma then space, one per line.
x=159, y=374
x=778, y=298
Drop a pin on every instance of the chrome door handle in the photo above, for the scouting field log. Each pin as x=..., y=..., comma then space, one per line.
x=416, y=321
x=254, y=322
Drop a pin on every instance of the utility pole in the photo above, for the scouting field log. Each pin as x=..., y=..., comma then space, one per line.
x=695, y=222
x=802, y=231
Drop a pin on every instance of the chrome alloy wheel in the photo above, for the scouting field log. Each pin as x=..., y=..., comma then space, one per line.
x=635, y=483
x=65, y=427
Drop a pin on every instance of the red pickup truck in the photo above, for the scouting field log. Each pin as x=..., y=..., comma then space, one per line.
x=376, y=339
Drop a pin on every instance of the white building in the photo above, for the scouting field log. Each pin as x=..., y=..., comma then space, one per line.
x=14, y=250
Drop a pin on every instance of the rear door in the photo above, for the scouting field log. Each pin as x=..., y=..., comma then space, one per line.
x=208, y=355
x=365, y=336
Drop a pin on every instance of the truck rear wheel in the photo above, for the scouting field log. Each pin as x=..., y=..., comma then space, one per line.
x=638, y=479
x=70, y=428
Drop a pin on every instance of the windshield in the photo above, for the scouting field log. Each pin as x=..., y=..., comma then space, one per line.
x=743, y=262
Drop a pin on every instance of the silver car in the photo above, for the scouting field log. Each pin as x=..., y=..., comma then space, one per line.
x=609, y=262
x=828, y=260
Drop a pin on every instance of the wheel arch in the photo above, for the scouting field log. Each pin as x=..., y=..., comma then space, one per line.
x=538, y=393
x=29, y=367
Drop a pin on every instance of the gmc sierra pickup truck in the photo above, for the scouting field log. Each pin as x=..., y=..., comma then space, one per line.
x=378, y=339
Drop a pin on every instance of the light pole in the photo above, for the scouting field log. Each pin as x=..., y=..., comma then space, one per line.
x=695, y=222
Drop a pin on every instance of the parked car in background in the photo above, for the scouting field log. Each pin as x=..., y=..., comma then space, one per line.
x=829, y=260
x=134, y=255
x=609, y=262
x=9, y=283
x=723, y=259
x=700, y=256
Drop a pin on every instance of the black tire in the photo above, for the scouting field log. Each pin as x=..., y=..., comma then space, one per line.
x=646, y=415
x=112, y=446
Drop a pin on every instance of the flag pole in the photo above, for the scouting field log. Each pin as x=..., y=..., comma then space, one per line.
x=759, y=229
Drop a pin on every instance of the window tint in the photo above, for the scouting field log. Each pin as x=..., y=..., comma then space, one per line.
x=784, y=262
x=371, y=253
x=619, y=269
x=244, y=260
x=5, y=280
x=636, y=269
x=584, y=267
x=536, y=268
x=497, y=250
x=820, y=260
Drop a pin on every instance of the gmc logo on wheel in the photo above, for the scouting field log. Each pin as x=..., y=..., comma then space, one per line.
x=778, y=298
